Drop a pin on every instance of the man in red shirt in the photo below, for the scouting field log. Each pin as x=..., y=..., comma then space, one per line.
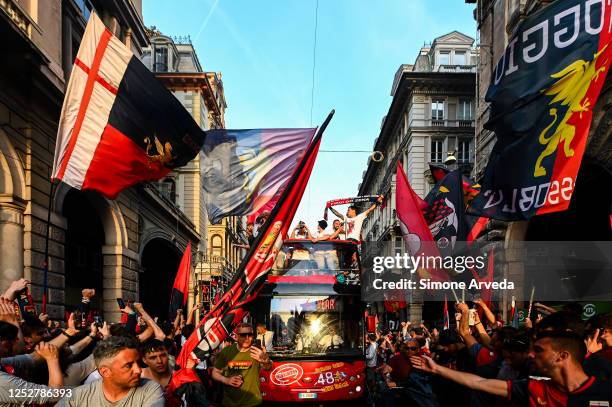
x=404, y=383
x=557, y=355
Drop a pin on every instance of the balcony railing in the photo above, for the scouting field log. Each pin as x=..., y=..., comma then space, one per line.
x=442, y=123
x=17, y=15
x=457, y=68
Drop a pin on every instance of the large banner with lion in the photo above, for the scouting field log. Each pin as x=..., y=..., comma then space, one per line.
x=542, y=94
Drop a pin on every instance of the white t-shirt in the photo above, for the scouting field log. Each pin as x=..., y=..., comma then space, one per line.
x=328, y=340
x=352, y=226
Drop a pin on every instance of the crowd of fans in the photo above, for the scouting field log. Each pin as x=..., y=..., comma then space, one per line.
x=84, y=361
x=559, y=360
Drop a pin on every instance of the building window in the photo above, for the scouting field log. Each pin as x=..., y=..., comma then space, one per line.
x=216, y=246
x=437, y=110
x=436, y=151
x=86, y=7
x=168, y=189
x=463, y=151
x=459, y=58
x=444, y=58
x=160, y=64
x=466, y=111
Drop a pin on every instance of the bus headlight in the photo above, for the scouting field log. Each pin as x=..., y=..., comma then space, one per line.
x=358, y=389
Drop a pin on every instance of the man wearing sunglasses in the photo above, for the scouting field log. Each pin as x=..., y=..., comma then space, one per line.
x=405, y=383
x=237, y=368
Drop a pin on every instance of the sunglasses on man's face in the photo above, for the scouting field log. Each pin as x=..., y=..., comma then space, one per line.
x=245, y=334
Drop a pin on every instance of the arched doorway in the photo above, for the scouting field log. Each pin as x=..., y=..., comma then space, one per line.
x=159, y=262
x=83, y=250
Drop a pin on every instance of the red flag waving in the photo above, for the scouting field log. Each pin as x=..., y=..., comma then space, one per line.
x=250, y=276
x=417, y=235
x=178, y=297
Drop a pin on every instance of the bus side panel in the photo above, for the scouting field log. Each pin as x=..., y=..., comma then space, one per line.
x=308, y=381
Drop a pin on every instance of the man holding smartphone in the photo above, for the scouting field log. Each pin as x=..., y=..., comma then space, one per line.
x=237, y=368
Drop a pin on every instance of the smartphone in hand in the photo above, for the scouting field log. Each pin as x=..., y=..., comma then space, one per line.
x=257, y=343
x=121, y=303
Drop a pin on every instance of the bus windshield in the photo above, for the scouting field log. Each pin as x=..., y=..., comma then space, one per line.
x=313, y=324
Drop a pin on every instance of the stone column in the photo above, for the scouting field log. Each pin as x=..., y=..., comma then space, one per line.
x=11, y=244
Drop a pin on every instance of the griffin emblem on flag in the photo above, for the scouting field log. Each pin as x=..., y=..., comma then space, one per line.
x=569, y=90
x=164, y=152
x=542, y=96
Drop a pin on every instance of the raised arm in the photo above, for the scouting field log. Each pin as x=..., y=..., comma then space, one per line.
x=83, y=343
x=464, y=328
x=191, y=316
x=335, y=212
x=50, y=354
x=62, y=339
x=16, y=286
x=485, y=339
x=146, y=334
x=159, y=334
x=374, y=205
x=472, y=381
x=487, y=312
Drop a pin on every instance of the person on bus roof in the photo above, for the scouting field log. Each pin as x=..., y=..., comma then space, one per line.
x=354, y=221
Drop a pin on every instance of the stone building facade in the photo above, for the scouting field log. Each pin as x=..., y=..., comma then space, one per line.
x=431, y=115
x=128, y=248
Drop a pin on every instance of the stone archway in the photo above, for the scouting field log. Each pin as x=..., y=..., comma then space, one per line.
x=105, y=240
x=160, y=259
x=12, y=207
x=83, y=249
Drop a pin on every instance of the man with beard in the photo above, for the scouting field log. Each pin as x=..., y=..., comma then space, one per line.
x=557, y=355
x=117, y=361
x=155, y=356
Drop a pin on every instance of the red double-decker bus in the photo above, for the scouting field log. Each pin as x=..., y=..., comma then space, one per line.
x=311, y=303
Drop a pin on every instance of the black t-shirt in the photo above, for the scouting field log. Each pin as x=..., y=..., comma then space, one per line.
x=597, y=365
x=536, y=393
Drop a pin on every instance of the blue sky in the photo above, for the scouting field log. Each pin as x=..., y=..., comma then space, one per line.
x=264, y=49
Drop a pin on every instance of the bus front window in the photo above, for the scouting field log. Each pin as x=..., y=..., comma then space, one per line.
x=314, y=325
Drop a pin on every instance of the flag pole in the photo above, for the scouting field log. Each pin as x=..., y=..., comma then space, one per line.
x=531, y=301
x=46, y=258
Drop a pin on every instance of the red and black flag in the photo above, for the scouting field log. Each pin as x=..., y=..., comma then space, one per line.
x=445, y=213
x=415, y=232
x=475, y=224
x=542, y=94
x=250, y=276
x=471, y=188
x=178, y=297
x=119, y=125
